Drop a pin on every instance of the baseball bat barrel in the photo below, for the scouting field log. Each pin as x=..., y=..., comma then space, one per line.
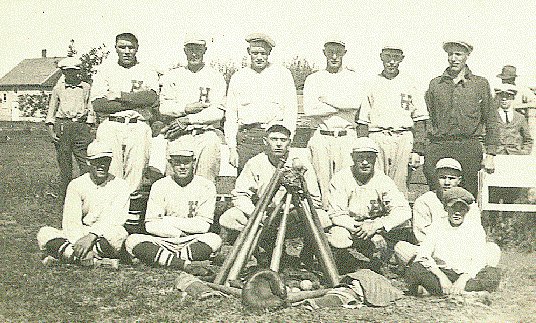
x=236, y=292
x=280, y=240
x=300, y=296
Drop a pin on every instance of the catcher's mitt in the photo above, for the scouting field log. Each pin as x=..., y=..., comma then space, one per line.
x=264, y=290
x=377, y=290
x=176, y=129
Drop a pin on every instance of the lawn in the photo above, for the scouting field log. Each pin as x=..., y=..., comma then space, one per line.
x=31, y=292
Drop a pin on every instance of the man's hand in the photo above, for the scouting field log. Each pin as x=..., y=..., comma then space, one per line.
x=52, y=134
x=233, y=157
x=368, y=228
x=177, y=128
x=415, y=160
x=459, y=285
x=195, y=107
x=84, y=245
x=489, y=164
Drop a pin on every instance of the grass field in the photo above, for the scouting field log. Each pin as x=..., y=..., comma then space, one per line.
x=32, y=292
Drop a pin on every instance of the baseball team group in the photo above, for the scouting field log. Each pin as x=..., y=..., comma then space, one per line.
x=162, y=134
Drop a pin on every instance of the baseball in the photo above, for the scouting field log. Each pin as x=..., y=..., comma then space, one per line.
x=306, y=284
x=531, y=195
x=294, y=290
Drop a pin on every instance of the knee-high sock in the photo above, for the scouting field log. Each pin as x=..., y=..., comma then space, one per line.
x=60, y=248
x=104, y=249
x=155, y=255
x=196, y=251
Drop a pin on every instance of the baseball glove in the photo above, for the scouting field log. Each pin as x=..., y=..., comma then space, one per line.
x=264, y=290
x=176, y=129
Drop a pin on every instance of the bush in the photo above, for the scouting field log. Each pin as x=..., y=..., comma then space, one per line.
x=512, y=230
x=300, y=69
x=33, y=105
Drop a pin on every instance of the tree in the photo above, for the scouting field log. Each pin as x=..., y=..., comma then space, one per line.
x=300, y=69
x=90, y=60
x=33, y=105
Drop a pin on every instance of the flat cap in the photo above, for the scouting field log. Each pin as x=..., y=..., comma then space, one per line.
x=448, y=45
x=69, y=63
x=176, y=148
x=98, y=149
x=457, y=194
x=365, y=144
x=195, y=39
x=449, y=163
x=333, y=39
x=506, y=88
x=260, y=37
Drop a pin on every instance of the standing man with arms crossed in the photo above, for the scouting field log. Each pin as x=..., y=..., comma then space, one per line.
x=459, y=104
x=191, y=101
x=122, y=94
x=68, y=120
x=396, y=118
x=332, y=98
x=258, y=96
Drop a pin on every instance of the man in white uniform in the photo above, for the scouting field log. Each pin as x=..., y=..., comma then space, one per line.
x=332, y=97
x=95, y=209
x=122, y=94
x=258, y=96
x=393, y=111
x=179, y=213
x=193, y=96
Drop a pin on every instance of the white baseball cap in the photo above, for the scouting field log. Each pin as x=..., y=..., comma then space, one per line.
x=176, y=148
x=449, y=163
x=365, y=144
x=98, y=149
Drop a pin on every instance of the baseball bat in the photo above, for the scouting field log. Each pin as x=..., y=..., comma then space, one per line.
x=280, y=240
x=236, y=292
x=300, y=296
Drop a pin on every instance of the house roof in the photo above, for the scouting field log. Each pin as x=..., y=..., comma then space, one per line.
x=42, y=71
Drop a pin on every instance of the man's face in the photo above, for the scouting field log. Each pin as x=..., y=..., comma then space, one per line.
x=457, y=57
x=71, y=75
x=457, y=212
x=258, y=53
x=99, y=167
x=126, y=51
x=391, y=60
x=277, y=144
x=183, y=167
x=505, y=100
x=448, y=178
x=194, y=54
x=334, y=53
x=364, y=162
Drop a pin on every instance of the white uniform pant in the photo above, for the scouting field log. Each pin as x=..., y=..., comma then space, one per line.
x=405, y=252
x=130, y=144
x=329, y=154
x=206, y=147
x=115, y=235
x=172, y=244
x=394, y=156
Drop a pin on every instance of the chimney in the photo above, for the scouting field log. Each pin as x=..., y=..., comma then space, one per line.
x=43, y=53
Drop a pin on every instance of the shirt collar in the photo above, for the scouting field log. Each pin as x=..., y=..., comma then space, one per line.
x=467, y=75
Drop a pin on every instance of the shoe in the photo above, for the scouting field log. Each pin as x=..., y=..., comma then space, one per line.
x=50, y=261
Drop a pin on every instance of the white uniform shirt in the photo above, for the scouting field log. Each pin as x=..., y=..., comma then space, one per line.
x=348, y=198
x=462, y=249
x=91, y=208
x=180, y=87
x=267, y=97
x=112, y=77
x=254, y=178
x=428, y=210
x=341, y=89
x=393, y=104
x=195, y=200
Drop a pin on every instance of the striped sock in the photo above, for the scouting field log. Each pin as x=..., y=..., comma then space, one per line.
x=155, y=255
x=60, y=248
x=196, y=251
x=104, y=249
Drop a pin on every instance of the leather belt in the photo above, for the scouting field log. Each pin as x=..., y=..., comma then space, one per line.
x=122, y=119
x=75, y=119
x=256, y=125
x=336, y=133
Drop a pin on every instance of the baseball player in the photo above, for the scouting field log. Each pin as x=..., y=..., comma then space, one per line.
x=332, y=97
x=122, y=94
x=179, y=213
x=394, y=112
x=68, y=120
x=366, y=208
x=429, y=209
x=96, y=207
x=191, y=101
x=254, y=178
x=258, y=96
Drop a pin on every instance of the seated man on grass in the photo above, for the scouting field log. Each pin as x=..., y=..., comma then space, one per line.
x=179, y=213
x=95, y=209
x=452, y=258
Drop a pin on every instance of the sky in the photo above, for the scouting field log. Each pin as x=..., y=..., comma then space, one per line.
x=502, y=32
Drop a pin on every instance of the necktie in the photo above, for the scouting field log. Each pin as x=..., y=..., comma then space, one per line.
x=506, y=116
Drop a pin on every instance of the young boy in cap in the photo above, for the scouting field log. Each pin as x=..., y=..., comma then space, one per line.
x=96, y=207
x=259, y=95
x=365, y=207
x=179, y=213
x=452, y=258
x=68, y=120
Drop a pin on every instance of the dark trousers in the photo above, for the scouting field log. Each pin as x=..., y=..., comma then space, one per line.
x=74, y=137
x=468, y=152
x=487, y=279
x=249, y=143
